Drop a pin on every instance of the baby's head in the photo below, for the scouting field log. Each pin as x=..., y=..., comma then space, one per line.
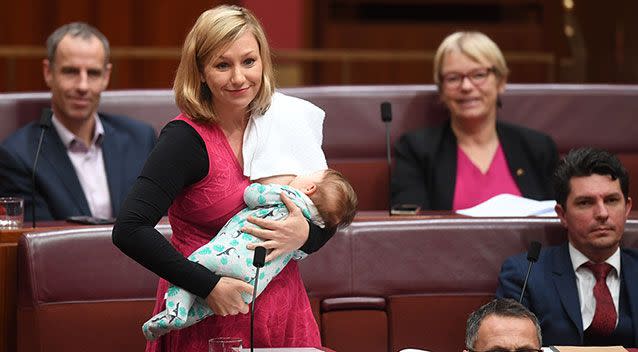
x=331, y=193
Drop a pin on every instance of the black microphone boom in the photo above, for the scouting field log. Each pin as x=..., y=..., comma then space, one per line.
x=386, y=117
x=386, y=112
x=45, y=124
x=259, y=260
x=532, y=256
x=534, y=251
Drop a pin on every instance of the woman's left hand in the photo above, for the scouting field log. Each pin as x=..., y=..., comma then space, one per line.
x=280, y=236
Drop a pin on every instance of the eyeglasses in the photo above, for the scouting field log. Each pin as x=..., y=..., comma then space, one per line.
x=504, y=350
x=453, y=80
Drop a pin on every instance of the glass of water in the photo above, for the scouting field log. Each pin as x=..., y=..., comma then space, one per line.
x=224, y=344
x=11, y=213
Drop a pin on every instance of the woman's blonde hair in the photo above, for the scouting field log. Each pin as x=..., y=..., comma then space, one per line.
x=474, y=45
x=213, y=32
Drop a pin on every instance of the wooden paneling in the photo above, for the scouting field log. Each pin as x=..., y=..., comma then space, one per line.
x=26, y=75
x=611, y=48
x=8, y=296
x=147, y=23
x=161, y=24
x=515, y=25
x=609, y=55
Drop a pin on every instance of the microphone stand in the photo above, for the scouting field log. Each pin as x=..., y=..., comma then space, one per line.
x=529, y=269
x=532, y=257
x=45, y=123
x=386, y=117
x=387, y=142
x=252, y=311
x=259, y=260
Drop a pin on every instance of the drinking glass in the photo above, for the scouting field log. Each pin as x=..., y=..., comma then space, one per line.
x=224, y=344
x=11, y=212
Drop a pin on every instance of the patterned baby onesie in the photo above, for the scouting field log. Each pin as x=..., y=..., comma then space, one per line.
x=226, y=255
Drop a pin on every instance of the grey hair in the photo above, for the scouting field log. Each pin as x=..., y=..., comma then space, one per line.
x=502, y=307
x=76, y=29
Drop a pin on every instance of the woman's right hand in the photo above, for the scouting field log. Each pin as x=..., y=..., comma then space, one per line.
x=226, y=299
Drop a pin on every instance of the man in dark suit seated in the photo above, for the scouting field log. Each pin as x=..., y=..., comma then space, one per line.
x=502, y=325
x=584, y=292
x=88, y=160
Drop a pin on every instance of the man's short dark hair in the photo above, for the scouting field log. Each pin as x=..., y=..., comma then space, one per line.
x=501, y=307
x=584, y=162
x=76, y=29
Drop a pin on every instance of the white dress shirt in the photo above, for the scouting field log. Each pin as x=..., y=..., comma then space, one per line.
x=585, y=282
x=89, y=167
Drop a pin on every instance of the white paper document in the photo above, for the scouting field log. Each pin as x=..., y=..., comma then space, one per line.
x=511, y=205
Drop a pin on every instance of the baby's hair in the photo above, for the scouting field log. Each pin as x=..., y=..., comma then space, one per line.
x=335, y=200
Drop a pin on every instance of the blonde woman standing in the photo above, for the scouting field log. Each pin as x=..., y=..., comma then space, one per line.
x=195, y=172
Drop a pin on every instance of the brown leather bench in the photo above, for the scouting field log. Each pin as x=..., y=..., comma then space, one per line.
x=376, y=286
x=389, y=285
x=354, y=136
x=78, y=292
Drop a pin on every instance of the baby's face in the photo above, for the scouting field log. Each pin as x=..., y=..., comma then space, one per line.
x=307, y=183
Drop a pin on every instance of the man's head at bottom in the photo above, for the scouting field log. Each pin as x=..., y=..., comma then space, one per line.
x=502, y=325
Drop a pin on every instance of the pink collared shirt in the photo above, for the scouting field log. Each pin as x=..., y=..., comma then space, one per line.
x=474, y=187
x=88, y=163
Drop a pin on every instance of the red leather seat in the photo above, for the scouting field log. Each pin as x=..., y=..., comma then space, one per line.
x=78, y=292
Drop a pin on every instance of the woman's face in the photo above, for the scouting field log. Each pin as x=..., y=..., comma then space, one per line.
x=234, y=78
x=469, y=88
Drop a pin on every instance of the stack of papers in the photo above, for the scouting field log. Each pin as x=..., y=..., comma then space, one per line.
x=511, y=205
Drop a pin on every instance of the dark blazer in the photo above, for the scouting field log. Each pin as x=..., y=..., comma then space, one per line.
x=425, y=164
x=125, y=147
x=552, y=295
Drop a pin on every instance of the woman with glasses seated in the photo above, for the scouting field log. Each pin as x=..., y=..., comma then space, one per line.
x=472, y=156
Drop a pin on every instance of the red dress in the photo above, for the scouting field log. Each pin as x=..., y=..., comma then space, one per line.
x=283, y=317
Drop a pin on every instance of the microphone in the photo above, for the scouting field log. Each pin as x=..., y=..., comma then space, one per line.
x=532, y=256
x=386, y=117
x=259, y=260
x=45, y=124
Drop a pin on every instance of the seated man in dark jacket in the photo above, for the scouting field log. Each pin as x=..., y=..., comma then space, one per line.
x=584, y=292
x=88, y=161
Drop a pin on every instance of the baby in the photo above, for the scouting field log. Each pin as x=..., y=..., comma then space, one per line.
x=324, y=197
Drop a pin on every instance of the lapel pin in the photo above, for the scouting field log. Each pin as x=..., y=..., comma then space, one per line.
x=520, y=172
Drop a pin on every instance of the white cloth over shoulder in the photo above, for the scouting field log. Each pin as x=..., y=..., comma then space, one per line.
x=286, y=140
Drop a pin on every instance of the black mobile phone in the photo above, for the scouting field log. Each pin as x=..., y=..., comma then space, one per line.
x=90, y=220
x=405, y=209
